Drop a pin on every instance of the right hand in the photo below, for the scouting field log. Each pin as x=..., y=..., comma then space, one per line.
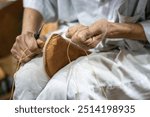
x=88, y=37
x=26, y=47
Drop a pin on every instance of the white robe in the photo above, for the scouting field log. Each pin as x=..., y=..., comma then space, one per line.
x=122, y=73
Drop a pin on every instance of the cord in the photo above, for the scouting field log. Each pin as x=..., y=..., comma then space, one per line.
x=102, y=88
x=17, y=68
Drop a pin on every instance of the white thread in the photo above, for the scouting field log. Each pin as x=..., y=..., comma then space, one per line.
x=101, y=88
x=17, y=68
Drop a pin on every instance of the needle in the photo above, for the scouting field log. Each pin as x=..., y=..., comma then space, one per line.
x=37, y=34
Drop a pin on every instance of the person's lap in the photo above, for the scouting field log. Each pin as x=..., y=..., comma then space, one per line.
x=30, y=79
x=108, y=75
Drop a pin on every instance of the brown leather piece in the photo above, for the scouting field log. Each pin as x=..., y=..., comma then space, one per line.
x=55, y=55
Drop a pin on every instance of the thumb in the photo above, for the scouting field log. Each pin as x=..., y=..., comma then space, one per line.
x=73, y=29
x=41, y=41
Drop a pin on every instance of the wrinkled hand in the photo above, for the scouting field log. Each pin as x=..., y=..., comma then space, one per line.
x=26, y=47
x=88, y=36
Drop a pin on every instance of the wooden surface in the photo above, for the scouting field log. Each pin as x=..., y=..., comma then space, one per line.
x=7, y=1
x=10, y=26
x=8, y=64
x=2, y=74
x=6, y=96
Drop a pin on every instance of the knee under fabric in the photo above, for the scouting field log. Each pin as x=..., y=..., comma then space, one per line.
x=58, y=52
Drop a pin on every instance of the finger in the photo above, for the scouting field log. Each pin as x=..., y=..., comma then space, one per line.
x=20, y=50
x=43, y=38
x=20, y=42
x=41, y=41
x=16, y=49
x=26, y=58
x=99, y=27
x=72, y=30
x=80, y=44
x=33, y=46
x=31, y=43
x=93, y=41
x=81, y=35
x=36, y=45
x=24, y=50
x=75, y=39
x=14, y=54
x=84, y=47
x=29, y=57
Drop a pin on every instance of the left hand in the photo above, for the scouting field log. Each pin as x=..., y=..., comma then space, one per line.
x=26, y=47
x=88, y=36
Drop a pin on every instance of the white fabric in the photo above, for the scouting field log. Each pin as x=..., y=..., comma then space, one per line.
x=117, y=74
x=47, y=8
x=30, y=80
x=110, y=75
x=88, y=11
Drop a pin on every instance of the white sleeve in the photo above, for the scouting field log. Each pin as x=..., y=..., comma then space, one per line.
x=146, y=26
x=47, y=8
x=146, y=23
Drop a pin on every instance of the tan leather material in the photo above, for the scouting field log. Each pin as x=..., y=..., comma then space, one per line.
x=55, y=53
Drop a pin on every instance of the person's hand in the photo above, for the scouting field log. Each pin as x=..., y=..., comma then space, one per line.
x=73, y=32
x=26, y=47
x=88, y=36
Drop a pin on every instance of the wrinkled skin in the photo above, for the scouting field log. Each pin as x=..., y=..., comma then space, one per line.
x=26, y=47
x=88, y=36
